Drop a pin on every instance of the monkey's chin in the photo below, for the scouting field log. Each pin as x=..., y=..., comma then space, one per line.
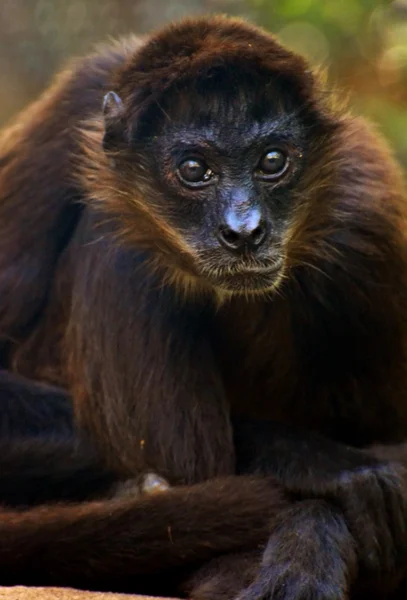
x=248, y=282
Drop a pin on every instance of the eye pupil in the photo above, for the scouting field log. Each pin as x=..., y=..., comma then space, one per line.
x=194, y=171
x=274, y=162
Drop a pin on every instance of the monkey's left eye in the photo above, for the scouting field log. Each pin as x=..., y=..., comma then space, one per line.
x=273, y=164
x=194, y=171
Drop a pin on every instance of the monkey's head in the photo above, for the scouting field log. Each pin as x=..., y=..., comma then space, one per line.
x=212, y=127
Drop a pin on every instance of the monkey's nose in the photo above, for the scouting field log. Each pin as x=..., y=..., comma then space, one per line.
x=242, y=232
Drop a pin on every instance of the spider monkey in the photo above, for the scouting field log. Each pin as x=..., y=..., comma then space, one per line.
x=203, y=274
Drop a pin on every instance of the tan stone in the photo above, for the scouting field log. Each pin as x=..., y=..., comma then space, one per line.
x=33, y=593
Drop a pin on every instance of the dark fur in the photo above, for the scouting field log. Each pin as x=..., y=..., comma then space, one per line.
x=118, y=267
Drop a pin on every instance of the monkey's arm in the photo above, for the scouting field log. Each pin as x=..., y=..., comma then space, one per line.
x=144, y=380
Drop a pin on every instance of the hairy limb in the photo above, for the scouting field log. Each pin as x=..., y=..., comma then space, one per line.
x=119, y=543
x=43, y=460
x=144, y=380
x=35, y=471
x=59, y=467
x=370, y=491
x=38, y=194
x=391, y=452
x=31, y=409
x=51, y=469
x=222, y=577
x=310, y=555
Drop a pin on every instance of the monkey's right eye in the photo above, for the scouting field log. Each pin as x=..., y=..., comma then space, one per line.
x=194, y=171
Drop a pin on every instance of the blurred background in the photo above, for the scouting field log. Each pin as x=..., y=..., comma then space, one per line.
x=364, y=42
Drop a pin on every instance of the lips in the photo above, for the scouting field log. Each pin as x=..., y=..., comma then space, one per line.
x=256, y=269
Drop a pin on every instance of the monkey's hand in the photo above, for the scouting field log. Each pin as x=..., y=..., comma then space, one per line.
x=310, y=556
x=371, y=494
x=373, y=500
x=370, y=491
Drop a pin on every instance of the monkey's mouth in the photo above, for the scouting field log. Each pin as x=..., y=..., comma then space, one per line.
x=246, y=277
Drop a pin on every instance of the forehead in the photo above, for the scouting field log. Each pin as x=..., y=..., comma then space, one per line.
x=228, y=105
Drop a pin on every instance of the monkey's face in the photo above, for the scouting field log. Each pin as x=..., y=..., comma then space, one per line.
x=219, y=123
x=226, y=164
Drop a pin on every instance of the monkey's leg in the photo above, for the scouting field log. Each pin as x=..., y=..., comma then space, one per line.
x=120, y=543
x=50, y=469
x=29, y=408
x=41, y=457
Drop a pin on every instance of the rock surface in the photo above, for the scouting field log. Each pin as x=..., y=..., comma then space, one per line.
x=32, y=593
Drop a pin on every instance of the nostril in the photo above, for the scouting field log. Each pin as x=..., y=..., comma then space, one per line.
x=230, y=237
x=258, y=235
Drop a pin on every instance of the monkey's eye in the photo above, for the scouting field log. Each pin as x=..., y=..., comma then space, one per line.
x=273, y=164
x=194, y=171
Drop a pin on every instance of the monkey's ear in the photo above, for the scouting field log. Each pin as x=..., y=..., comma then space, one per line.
x=113, y=114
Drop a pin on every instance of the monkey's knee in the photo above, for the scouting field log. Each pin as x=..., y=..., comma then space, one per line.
x=152, y=483
x=147, y=484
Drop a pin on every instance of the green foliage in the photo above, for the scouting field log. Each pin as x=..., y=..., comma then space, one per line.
x=364, y=43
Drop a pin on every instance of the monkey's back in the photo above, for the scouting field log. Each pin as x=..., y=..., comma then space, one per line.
x=39, y=195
